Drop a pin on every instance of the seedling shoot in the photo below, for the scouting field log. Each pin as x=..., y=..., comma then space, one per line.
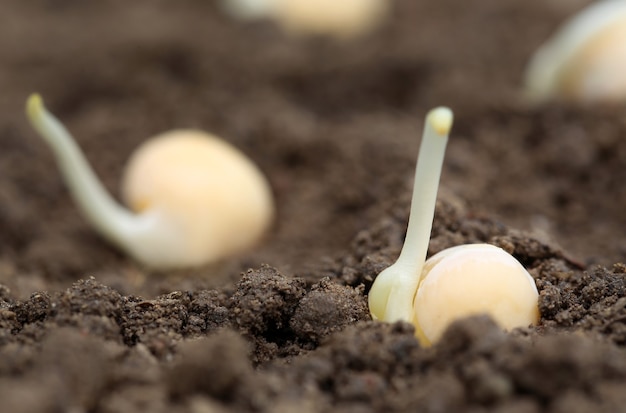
x=194, y=198
x=457, y=282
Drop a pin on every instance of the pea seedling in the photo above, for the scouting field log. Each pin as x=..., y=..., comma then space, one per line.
x=585, y=60
x=342, y=19
x=194, y=197
x=457, y=282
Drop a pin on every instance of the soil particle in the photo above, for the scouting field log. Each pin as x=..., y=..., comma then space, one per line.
x=265, y=301
x=261, y=308
x=70, y=372
x=217, y=366
x=8, y=324
x=496, y=367
x=377, y=367
x=567, y=362
x=158, y=324
x=591, y=300
x=36, y=308
x=207, y=312
x=328, y=308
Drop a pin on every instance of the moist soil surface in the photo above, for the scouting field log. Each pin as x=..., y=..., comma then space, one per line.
x=335, y=126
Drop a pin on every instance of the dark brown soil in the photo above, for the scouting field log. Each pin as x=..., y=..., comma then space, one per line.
x=336, y=127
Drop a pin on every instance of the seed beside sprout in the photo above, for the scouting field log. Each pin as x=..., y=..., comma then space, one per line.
x=391, y=296
x=457, y=282
x=194, y=198
x=585, y=60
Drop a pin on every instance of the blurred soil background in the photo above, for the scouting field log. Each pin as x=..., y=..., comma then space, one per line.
x=335, y=125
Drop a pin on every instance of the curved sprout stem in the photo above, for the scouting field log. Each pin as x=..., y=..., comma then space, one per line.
x=112, y=220
x=392, y=294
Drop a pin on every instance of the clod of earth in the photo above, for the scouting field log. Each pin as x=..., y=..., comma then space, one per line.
x=194, y=198
x=457, y=282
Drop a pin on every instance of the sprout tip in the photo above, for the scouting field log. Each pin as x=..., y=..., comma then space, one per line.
x=34, y=106
x=440, y=120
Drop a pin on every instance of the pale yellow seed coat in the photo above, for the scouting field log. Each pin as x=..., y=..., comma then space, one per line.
x=585, y=59
x=210, y=192
x=470, y=280
x=343, y=19
x=597, y=71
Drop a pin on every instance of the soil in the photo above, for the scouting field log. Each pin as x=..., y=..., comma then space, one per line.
x=335, y=126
